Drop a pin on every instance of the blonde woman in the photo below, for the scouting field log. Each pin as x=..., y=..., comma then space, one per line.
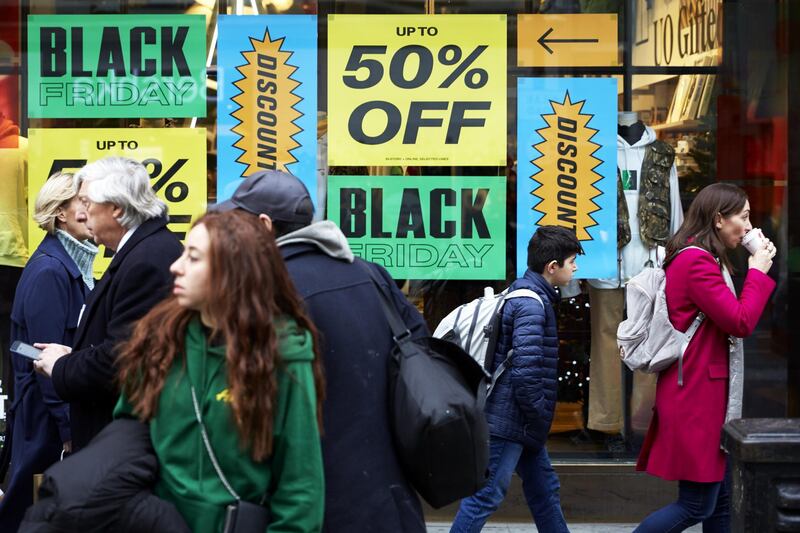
x=47, y=304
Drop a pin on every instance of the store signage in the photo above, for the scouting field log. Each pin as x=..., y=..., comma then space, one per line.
x=417, y=90
x=424, y=227
x=567, y=166
x=93, y=66
x=585, y=40
x=678, y=33
x=267, y=103
x=174, y=157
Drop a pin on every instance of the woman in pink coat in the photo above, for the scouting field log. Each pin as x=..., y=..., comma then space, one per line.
x=683, y=442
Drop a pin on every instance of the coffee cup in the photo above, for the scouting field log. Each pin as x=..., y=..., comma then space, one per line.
x=753, y=240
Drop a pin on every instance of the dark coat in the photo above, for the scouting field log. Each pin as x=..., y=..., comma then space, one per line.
x=46, y=306
x=106, y=487
x=137, y=279
x=523, y=402
x=366, y=490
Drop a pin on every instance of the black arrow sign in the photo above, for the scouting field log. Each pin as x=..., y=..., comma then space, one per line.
x=543, y=40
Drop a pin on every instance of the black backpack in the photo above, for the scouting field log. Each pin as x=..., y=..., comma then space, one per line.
x=437, y=394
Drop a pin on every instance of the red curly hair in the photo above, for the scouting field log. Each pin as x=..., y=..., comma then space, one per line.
x=251, y=292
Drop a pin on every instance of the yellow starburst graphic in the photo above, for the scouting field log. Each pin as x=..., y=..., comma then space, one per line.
x=566, y=177
x=266, y=112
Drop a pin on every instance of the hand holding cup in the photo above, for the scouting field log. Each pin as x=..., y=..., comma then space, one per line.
x=762, y=250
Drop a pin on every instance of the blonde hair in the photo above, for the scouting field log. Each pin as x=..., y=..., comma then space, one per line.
x=57, y=191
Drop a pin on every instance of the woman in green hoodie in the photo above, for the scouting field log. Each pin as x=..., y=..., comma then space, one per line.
x=233, y=335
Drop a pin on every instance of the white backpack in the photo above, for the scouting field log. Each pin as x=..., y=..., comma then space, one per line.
x=475, y=327
x=647, y=339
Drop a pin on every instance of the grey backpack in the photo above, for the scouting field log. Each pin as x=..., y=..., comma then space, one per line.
x=647, y=339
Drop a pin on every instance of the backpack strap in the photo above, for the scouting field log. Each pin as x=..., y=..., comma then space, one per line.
x=472, y=324
x=693, y=327
x=519, y=293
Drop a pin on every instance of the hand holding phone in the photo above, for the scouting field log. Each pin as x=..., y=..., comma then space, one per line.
x=26, y=350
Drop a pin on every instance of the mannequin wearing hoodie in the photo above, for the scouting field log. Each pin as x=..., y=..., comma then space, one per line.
x=606, y=395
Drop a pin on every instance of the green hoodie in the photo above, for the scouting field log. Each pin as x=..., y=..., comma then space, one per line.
x=292, y=476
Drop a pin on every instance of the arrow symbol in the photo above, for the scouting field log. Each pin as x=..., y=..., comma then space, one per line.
x=543, y=40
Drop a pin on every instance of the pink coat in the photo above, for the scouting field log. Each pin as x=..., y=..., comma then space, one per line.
x=683, y=441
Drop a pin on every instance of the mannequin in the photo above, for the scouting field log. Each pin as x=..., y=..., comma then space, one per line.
x=606, y=393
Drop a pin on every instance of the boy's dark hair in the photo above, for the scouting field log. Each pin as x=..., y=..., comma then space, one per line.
x=550, y=243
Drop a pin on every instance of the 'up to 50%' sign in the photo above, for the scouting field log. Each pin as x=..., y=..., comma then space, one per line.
x=116, y=66
x=175, y=158
x=417, y=90
x=424, y=227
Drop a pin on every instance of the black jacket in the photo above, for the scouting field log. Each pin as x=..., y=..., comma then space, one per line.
x=106, y=487
x=137, y=279
x=365, y=489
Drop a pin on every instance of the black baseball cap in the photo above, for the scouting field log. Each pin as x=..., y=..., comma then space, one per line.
x=275, y=193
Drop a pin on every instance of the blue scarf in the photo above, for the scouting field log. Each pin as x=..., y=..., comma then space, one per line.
x=81, y=252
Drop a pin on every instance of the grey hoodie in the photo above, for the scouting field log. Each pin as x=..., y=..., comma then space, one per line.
x=325, y=235
x=635, y=254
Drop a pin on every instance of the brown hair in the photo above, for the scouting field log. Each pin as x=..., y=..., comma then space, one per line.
x=699, y=226
x=251, y=293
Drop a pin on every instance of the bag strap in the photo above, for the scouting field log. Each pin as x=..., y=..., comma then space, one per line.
x=210, y=452
x=400, y=332
x=519, y=293
x=693, y=327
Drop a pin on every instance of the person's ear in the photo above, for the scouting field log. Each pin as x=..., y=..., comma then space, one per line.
x=264, y=218
x=718, y=220
x=552, y=266
x=61, y=215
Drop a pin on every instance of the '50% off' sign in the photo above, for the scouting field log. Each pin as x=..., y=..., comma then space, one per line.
x=174, y=158
x=420, y=90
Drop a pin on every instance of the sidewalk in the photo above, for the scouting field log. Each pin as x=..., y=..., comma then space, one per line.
x=505, y=527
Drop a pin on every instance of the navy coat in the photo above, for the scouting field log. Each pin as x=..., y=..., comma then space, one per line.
x=46, y=306
x=523, y=401
x=365, y=488
x=136, y=280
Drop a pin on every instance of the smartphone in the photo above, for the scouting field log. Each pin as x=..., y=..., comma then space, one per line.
x=26, y=350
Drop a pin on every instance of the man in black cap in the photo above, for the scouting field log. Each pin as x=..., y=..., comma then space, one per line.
x=365, y=486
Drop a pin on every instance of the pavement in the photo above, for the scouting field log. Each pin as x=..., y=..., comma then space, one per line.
x=504, y=527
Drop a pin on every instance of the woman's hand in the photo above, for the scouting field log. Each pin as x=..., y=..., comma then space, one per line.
x=762, y=259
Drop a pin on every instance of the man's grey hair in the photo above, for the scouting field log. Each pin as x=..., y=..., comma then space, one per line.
x=125, y=183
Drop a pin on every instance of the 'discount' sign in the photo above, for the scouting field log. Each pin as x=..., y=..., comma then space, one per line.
x=116, y=66
x=424, y=227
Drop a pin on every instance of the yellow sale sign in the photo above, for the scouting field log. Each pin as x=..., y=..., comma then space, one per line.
x=174, y=158
x=417, y=90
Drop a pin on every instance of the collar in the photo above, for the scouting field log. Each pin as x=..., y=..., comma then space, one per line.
x=131, y=238
x=52, y=247
x=82, y=253
x=126, y=237
x=537, y=282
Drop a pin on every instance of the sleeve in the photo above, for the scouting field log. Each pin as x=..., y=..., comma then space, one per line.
x=410, y=315
x=526, y=363
x=123, y=409
x=297, y=492
x=46, y=321
x=81, y=374
x=676, y=211
x=708, y=290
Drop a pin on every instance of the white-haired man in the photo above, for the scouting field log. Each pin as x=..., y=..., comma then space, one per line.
x=123, y=214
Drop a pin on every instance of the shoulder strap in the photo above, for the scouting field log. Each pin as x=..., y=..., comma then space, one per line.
x=400, y=331
x=519, y=293
x=210, y=451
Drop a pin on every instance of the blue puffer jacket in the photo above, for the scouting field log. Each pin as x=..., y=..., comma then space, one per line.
x=523, y=401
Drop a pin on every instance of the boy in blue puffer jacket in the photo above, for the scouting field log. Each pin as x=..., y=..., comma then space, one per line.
x=521, y=406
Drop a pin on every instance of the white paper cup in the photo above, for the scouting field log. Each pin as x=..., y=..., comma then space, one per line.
x=753, y=240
